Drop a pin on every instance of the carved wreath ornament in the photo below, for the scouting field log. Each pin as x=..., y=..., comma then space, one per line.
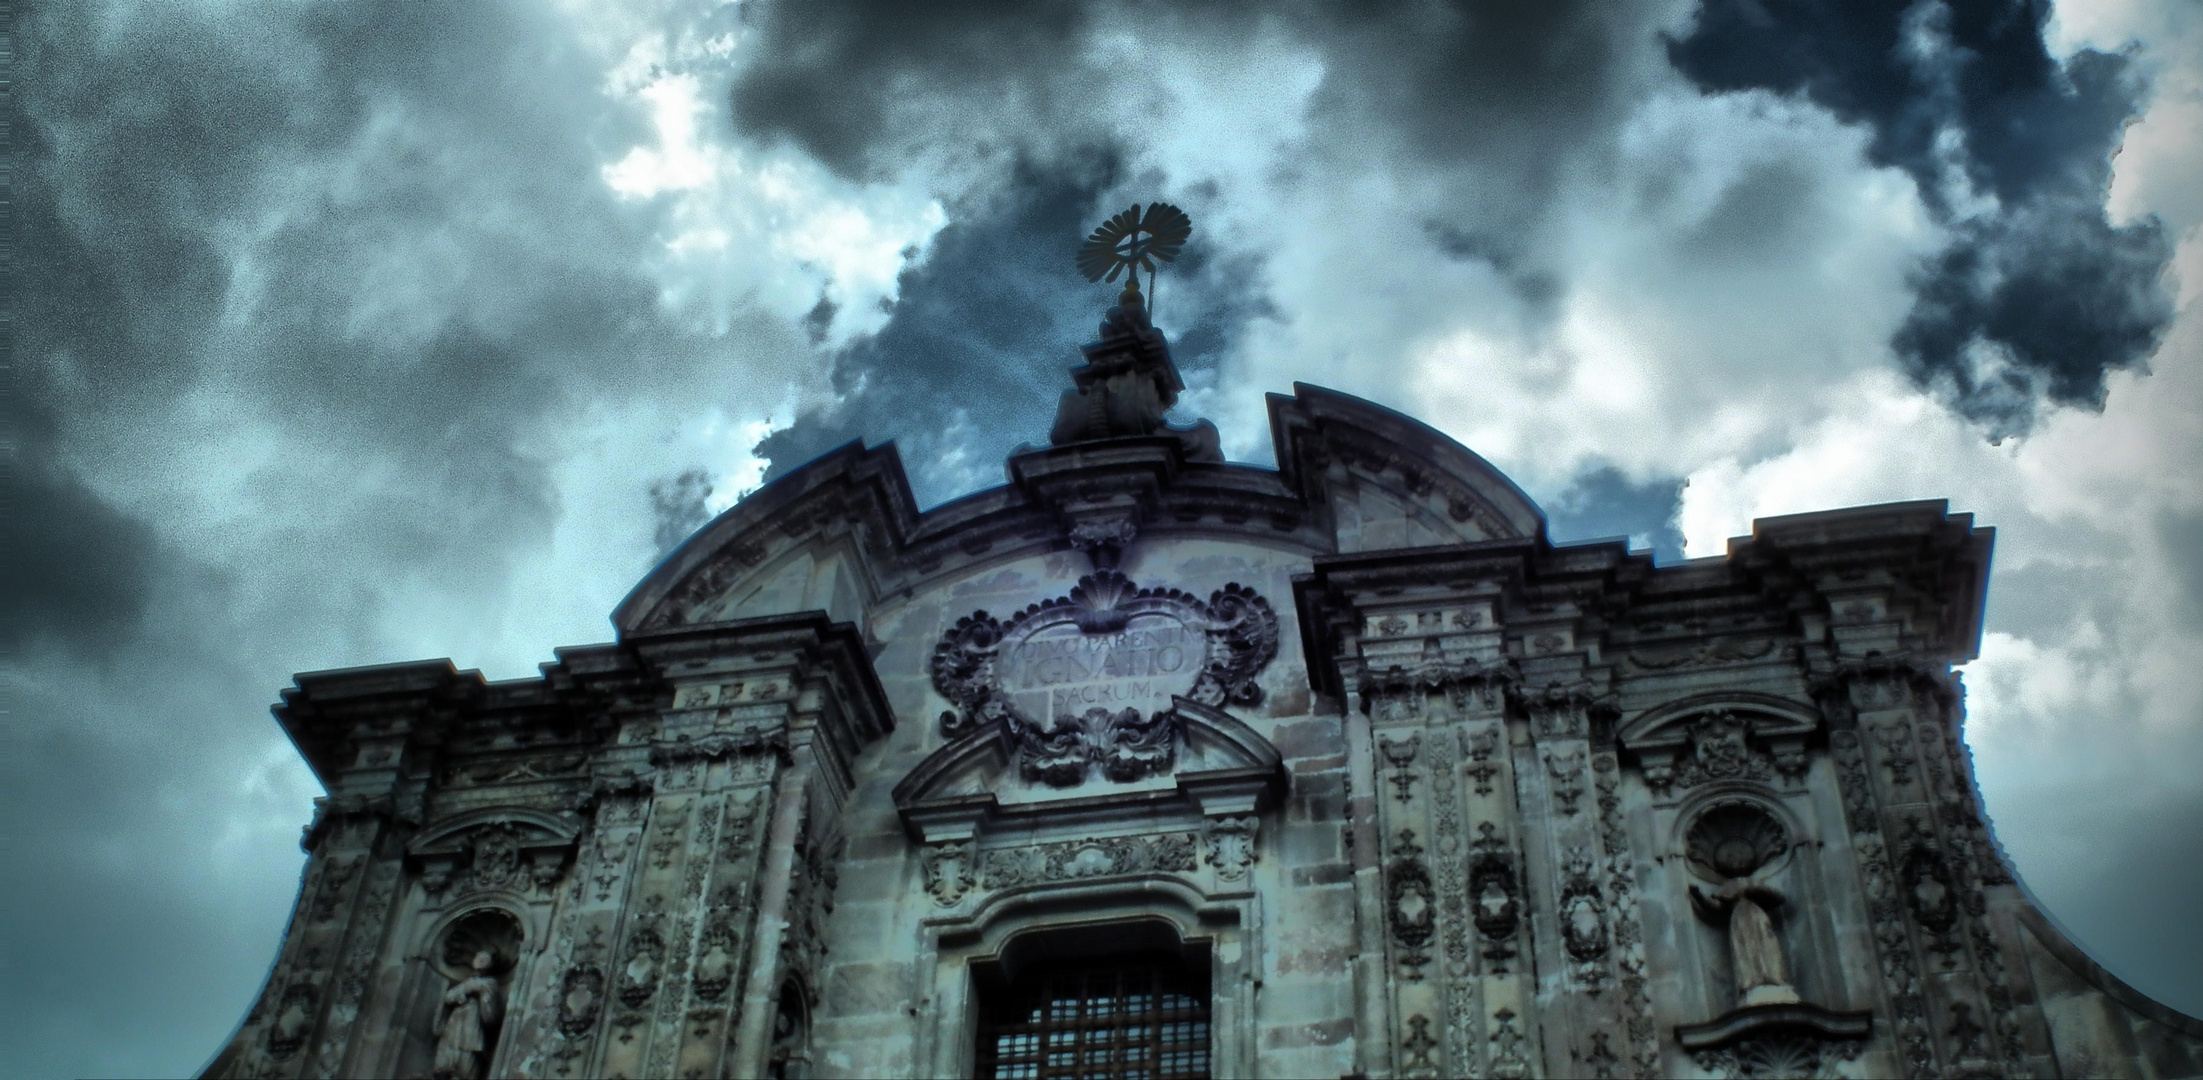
x=1085, y=681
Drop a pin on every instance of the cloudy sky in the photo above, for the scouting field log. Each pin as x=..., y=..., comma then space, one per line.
x=354, y=332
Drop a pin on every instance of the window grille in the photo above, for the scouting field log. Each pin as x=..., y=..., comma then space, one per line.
x=1116, y=1019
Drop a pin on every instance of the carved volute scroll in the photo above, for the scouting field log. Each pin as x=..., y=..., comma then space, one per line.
x=1083, y=683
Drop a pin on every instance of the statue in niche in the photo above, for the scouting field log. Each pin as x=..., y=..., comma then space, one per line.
x=477, y=952
x=1732, y=843
x=472, y=1009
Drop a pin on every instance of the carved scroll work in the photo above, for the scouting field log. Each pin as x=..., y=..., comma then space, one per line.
x=1086, y=681
x=1107, y=685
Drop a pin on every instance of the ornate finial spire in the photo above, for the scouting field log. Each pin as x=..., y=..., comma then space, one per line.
x=1128, y=381
x=1133, y=241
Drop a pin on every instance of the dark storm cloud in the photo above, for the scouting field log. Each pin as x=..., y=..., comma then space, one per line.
x=677, y=508
x=1536, y=288
x=2038, y=296
x=2066, y=296
x=1494, y=97
x=1496, y=100
x=1602, y=503
x=375, y=234
x=383, y=224
x=1511, y=90
x=975, y=353
x=78, y=568
x=842, y=79
x=2182, y=537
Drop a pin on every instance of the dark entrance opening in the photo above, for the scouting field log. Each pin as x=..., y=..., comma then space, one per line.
x=1107, y=1003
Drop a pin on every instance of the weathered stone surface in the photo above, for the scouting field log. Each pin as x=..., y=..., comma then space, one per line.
x=1422, y=793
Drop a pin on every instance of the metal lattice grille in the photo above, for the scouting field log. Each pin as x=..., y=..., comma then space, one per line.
x=1130, y=1021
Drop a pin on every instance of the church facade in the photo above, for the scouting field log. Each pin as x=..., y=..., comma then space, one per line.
x=1150, y=764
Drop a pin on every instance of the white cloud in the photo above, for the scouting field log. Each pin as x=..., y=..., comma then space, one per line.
x=751, y=226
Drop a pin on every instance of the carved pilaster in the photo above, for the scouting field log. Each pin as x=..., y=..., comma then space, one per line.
x=737, y=863
x=1915, y=830
x=1452, y=891
x=1588, y=881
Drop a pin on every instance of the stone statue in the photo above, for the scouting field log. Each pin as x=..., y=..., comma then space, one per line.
x=472, y=1009
x=1756, y=953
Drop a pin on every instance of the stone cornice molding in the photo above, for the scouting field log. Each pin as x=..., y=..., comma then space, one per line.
x=832, y=701
x=1844, y=686
x=364, y=729
x=1800, y=589
x=1913, y=565
x=1152, y=482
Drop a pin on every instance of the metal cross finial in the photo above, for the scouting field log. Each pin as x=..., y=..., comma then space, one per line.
x=1135, y=242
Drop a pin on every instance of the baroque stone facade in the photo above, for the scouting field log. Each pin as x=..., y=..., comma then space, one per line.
x=1421, y=793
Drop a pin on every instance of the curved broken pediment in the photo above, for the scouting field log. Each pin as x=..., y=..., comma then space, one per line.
x=1389, y=480
x=972, y=781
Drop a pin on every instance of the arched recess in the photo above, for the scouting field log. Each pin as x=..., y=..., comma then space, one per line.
x=1027, y=925
x=1691, y=811
x=439, y=958
x=789, y=1056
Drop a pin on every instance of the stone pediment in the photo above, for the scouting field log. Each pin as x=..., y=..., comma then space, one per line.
x=495, y=848
x=971, y=784
x=1731, y=736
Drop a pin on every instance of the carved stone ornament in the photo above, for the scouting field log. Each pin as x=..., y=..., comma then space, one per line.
x=501, y=848
x=496, y=857
x=1566, y=771
x=1410, y=906
x=639, y=975
x=1734, y=839
x=948, y=869
x=1231, y=846
x=1009, y=868
x=1416, y=1048
x=1660, y=656
x=1493, y=892
x=1583, y=918
x=294, y=1016
x=580, y=999
x=1085, y=680
x=1779, y=1053
x=1718, y=749
x=716, y=956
